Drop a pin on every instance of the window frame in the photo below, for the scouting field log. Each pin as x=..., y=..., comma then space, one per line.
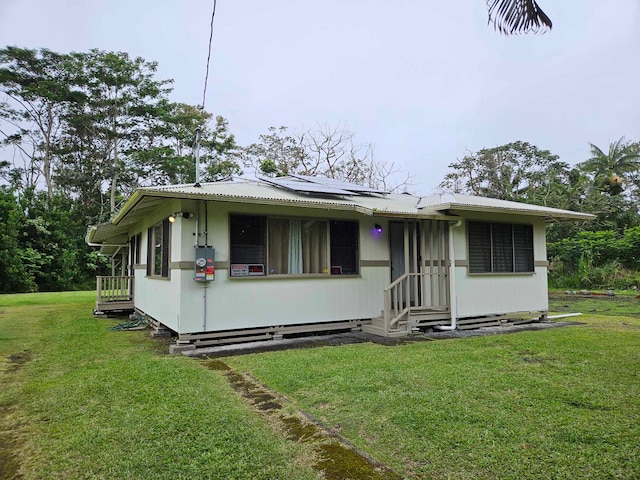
x=505, y=248
x=161, y=249
x=327, y=272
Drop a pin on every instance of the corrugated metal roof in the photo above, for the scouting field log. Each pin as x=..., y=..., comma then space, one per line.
x=456, y=201
x=444, y=206
x=255, y=191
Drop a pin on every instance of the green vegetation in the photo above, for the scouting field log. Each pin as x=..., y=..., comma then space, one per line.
x=559, y=403
x=80, y=401
x=622, y=304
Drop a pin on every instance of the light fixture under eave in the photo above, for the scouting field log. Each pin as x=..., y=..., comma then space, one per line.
x=185, y=215
x=378, y=228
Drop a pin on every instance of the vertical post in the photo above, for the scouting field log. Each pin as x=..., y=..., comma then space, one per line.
x=407, y=264
x=197, y=157
x=416, y=278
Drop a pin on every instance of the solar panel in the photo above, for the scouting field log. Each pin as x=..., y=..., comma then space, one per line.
x=341, y=184
x=305, y=186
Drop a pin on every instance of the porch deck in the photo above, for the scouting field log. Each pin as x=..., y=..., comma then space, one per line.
x=114, y=294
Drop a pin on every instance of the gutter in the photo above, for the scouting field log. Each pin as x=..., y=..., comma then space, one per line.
x=452, y=281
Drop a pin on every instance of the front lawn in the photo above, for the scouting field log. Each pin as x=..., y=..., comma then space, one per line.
x=80, y=401
x=559, y=403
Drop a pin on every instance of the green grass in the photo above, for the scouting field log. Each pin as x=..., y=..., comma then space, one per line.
x=91, y=403
x=623, y=303
x=559, y=403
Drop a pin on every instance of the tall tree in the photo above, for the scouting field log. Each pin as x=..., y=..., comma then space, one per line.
x=516, y=171
x=38, y=91
x=122, y=102
x=171, y=159
x=328, y=151
x=612, y=168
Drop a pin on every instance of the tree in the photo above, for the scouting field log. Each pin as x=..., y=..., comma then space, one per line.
x=517, y=16
x=516, y=171
x=327, y=151
x=122, y=102
x=611, y=169
x=14, y=276
x=38, y=91
x=172, y=158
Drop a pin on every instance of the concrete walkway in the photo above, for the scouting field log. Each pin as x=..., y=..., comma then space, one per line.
x=312, y=341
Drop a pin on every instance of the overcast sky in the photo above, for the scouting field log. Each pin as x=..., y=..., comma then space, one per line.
x=423, y=81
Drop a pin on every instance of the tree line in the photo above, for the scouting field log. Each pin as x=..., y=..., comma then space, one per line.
x=603, y=253
x=80, y=131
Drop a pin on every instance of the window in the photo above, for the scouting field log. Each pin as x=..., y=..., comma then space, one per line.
x=344, y=247
x=158, y=249
x=135, y=249
x=292, y=246
x=297, y=246
x=500, y=247
x=248, y=245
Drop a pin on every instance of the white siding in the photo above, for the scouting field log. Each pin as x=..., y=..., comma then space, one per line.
x=486, y=294
x=234, y=303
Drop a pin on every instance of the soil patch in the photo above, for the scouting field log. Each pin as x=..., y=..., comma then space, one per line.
x=623, y=305
x=18, y=360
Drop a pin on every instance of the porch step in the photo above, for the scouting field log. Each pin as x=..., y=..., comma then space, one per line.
x=378, y=322
x=382, y=332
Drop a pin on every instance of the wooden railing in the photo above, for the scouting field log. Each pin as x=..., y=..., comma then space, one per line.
x=114, y=289
x=395, y=308
x=429, y=290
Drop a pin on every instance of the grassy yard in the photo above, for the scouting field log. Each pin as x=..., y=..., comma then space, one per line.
x=559, y=403
x=80, y=401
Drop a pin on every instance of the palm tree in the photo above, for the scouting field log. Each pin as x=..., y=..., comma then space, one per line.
x=611, y=168
x=517, y=16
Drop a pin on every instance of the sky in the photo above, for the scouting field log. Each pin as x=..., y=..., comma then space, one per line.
x=424, y=82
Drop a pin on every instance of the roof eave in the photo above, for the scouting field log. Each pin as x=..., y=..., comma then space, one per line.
x=555, y=217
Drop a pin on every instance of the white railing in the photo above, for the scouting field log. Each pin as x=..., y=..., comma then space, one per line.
x=114, y=289
x=414, y=291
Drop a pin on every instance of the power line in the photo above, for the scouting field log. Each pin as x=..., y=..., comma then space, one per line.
x=206, y=78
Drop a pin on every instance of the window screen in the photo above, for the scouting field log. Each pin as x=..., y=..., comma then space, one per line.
x=500, y=247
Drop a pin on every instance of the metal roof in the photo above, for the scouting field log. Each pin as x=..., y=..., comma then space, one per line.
x=144, y=201
x=457, y=202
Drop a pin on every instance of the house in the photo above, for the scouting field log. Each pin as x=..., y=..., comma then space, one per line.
x=241, y=259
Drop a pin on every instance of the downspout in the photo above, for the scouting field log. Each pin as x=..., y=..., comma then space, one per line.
x=452, y=281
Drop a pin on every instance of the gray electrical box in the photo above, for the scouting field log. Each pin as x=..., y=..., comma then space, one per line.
x=205, y=264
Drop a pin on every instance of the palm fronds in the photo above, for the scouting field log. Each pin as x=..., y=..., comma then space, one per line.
x=511, y=17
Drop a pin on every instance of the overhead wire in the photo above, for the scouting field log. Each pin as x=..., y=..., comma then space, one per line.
x=206, y=78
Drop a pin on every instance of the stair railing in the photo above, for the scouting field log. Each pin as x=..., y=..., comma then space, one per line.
x=395, y=306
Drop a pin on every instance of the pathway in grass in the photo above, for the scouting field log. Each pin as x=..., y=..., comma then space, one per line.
x=338, y=459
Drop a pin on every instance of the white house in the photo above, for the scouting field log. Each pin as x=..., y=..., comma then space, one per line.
x=242, y=259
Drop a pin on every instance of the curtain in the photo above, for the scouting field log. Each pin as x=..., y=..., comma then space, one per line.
x=295, y=247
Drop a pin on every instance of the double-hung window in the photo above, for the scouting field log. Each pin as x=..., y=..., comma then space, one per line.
x=158, y=249
x=263, y=246
x=500, y=247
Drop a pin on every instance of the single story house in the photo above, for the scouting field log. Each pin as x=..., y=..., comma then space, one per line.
x=247, y=259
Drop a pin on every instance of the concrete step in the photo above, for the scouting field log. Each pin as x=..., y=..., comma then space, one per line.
x=382, y=332
x=378, y=322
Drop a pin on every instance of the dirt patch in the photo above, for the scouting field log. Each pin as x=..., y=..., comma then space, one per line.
x=18, y=360
x=337, y=458
x=624, y=305
x=9, y=465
